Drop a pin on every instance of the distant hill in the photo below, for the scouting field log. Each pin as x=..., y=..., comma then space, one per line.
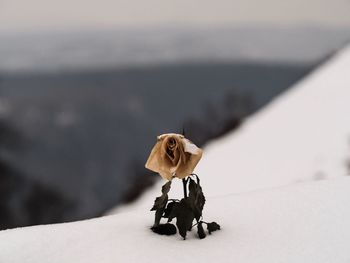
x=68, y=51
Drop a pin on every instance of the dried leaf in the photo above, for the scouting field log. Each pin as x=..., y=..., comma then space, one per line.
x=166, y=187
x=213, y=226
x=196, y=198
x=184, y=216
x=173, y=212
x=160, y=203
x=164, y=229
x=169, y=209
x=200, y=230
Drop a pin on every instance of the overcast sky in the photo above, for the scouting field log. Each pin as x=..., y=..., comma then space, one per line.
x=65, y=14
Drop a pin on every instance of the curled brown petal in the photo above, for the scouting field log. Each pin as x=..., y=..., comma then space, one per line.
x=171, y=147
x=173, y=155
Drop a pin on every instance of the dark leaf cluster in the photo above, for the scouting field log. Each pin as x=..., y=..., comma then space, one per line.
x=184, y=210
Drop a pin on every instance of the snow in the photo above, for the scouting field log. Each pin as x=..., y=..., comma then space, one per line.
x=302, y=136
x=262, y=185
x=303, y=223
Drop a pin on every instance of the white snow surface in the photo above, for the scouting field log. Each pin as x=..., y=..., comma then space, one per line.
x=304, y=223
x=301, y=136
x=278, y=187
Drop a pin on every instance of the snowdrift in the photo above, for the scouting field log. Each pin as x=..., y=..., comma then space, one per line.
x=302, y=223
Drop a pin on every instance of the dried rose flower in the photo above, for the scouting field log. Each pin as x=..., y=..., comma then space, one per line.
x=173, y=156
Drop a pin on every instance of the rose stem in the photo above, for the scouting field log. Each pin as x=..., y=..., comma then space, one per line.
x=184, y=182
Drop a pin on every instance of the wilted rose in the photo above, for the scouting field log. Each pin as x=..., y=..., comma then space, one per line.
x=173, y=156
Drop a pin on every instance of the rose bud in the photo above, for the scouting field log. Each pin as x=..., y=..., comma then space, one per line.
x=173, y=156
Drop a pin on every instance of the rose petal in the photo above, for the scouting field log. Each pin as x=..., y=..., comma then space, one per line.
x=180, y=161
x=162, y=136
x=190, y=147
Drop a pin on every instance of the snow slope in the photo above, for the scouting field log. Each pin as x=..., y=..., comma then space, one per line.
x=304, y=223
x=298, y=139
x=302, y=136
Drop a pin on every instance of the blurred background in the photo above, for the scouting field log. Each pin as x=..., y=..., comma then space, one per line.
x=86, y=86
